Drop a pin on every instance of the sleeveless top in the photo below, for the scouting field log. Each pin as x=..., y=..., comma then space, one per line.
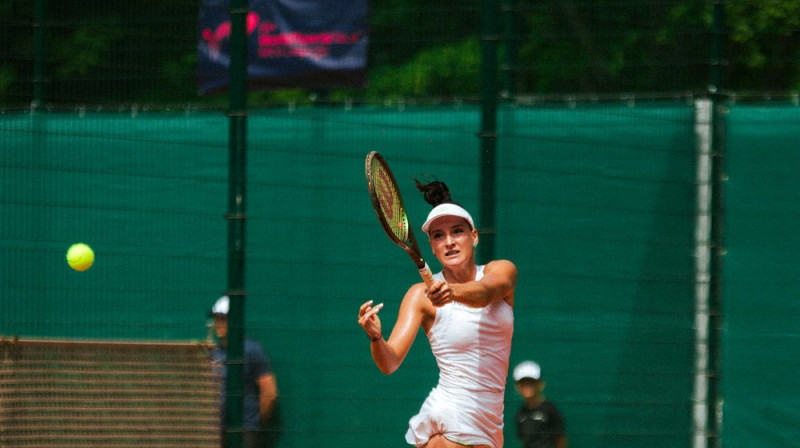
x=472, y=348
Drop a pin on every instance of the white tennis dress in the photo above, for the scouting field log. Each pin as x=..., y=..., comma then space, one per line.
x=472, y=347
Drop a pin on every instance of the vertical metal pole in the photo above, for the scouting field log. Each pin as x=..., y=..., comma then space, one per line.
x=717, y=228
x=237, y=116
x=39, y=53
x=700, y=409
x=38, y=119
x=510, y=55
x=488, y=133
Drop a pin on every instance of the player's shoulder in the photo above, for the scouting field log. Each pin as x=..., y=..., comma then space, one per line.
x=501, y=264
x=503, y=267
x=416, y=290
x=417, y=299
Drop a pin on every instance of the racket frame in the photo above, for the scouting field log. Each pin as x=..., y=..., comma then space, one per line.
x=409, y=245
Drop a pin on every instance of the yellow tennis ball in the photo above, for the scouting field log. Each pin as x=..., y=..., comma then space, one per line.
x=80, y=257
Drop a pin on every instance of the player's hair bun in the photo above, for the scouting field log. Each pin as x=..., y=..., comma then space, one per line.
x=435, y=192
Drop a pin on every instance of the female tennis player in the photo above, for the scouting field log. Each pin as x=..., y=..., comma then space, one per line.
x=468, y=317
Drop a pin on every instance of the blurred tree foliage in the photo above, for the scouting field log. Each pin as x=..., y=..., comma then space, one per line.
x=145, y=51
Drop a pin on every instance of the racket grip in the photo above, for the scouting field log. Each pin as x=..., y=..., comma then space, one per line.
x=427, y=275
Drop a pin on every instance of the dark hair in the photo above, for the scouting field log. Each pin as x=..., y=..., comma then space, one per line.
x=435, y=192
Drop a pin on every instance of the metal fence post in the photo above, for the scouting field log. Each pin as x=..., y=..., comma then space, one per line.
x=236, y=222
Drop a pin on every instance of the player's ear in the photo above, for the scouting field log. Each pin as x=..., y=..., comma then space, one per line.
x=475, y=238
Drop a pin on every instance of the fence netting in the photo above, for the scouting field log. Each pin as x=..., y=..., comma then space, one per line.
x=595, y=204
x=58, y=393
x=105, y=140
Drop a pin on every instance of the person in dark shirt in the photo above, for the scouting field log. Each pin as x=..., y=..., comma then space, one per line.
x=539, y=422
x=261, y=427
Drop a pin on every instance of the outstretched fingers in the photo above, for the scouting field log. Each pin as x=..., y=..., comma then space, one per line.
x=367, y=310
x=368, y=318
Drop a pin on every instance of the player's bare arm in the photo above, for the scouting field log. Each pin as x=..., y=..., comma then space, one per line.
x=498, y=282
x=389, y=354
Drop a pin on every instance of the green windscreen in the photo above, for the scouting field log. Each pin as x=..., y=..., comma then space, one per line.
x=761, y=292
x=597, y=208
x=595, y=204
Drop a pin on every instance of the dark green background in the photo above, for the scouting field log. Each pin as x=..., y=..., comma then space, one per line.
x=595, y=205
x=762, y=272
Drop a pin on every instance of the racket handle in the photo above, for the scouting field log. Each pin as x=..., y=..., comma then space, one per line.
x=427, y=275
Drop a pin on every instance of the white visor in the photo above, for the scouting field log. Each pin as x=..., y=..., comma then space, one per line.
x=447, y=209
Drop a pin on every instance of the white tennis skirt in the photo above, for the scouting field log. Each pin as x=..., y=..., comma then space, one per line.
x=467, y=418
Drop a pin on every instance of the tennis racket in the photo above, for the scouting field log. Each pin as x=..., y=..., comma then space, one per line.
x=388, y=203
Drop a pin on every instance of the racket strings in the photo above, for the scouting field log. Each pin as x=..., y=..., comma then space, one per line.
x=391, y=205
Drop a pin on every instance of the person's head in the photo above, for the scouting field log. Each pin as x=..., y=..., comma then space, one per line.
x=219, y=312
x=528, y=380
x=450, y=228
